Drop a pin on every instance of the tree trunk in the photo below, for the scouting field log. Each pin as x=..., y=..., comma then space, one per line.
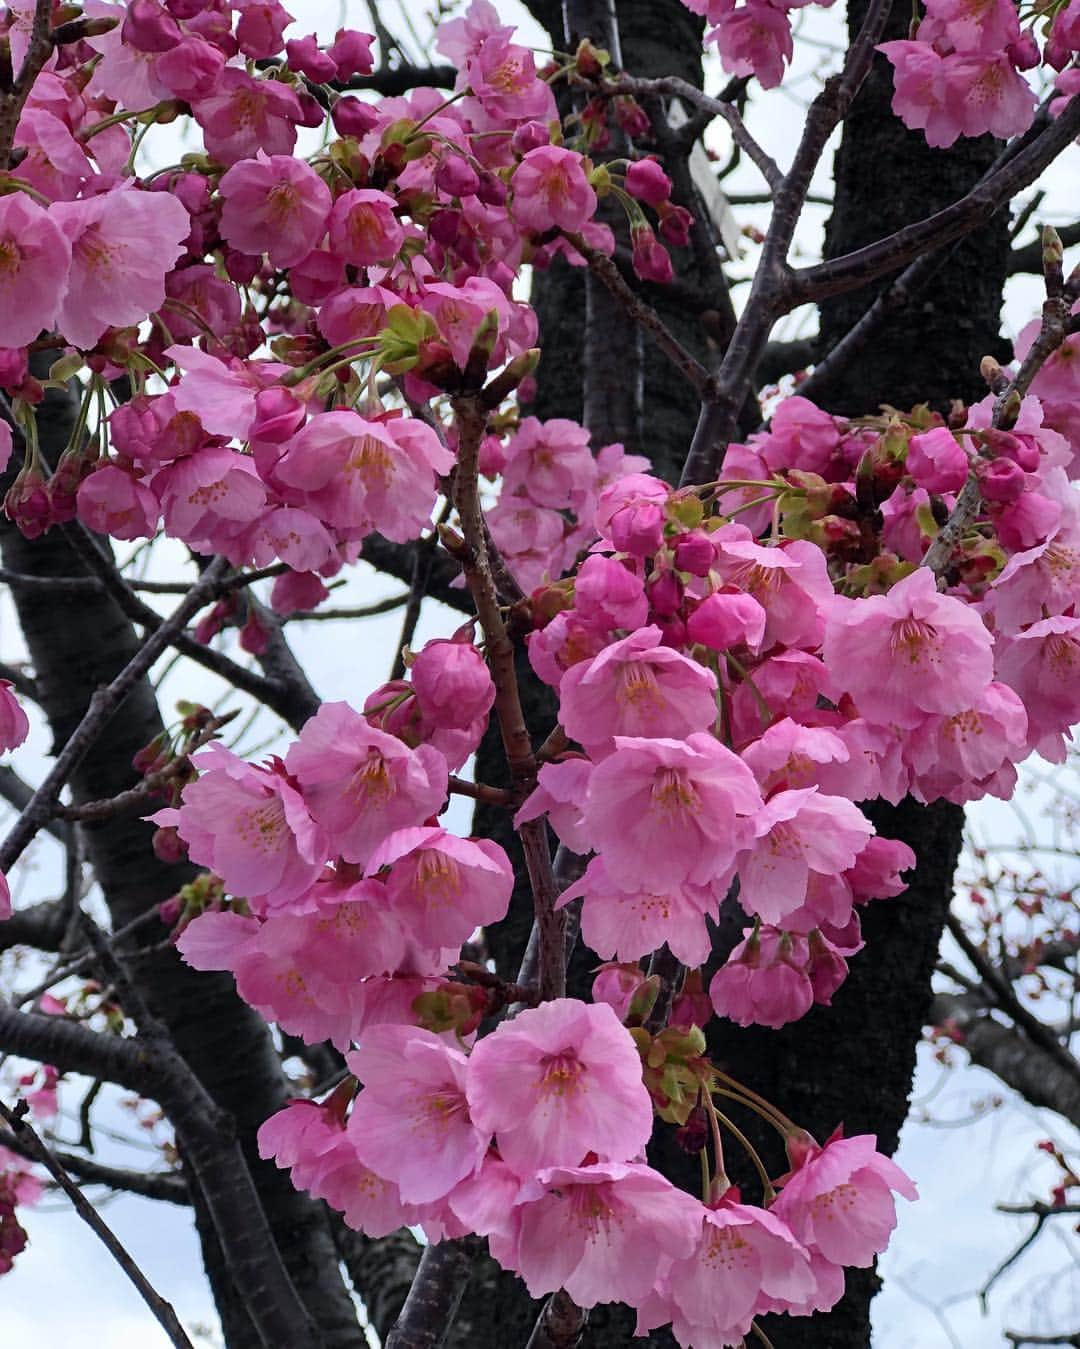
x=77, y=643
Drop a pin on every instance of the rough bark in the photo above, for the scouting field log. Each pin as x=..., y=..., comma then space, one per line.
x=886, y=176
x=1006, y=1052
x=76, y=643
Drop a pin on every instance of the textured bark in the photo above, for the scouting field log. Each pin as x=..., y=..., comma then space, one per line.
x=76, y=643
x=886, y=176
x=1006, y=1052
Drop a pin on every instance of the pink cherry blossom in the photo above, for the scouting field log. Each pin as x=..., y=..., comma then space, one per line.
x=35, y=258
x=1042, y=665
x=682, y=806
x=921, y=96
x=754, y=39
x=5, y=898
x=938, y=651
x=443, y=887
x=936, y=461
x=636, y=687
x=362, y=784
x=728, y=619
x=112, y=501
x=359, y=475
x=840, y=1202
x=363, y=227
x=957, y=757
x=557, y=1082
x=712, y=1295
x=503, y=78
x=791, y=583
x=798, y=832
x=626, y=925
x=560, y=794
x=275, y=205
x=411, y=1122
x=122, y=244
x=245, y=115
x=250, y=826
x=551, y=462
x=598, y=1231
x=788, y=754
x=608, y=593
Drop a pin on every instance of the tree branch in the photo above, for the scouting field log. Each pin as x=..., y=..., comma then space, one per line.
x=103, y=705
x=162, y=1310
x=852, y=270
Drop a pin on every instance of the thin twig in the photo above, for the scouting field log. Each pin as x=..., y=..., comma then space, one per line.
x=103, y=704
x=161, y=1309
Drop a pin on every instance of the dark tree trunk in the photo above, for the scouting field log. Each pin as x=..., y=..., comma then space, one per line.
x=851, y=1063
x=886, y=176
x=77, y=643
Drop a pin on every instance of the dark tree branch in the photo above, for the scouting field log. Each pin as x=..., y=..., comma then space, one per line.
x=771, y=292
x=168, y=1186
x=1029, y=258
x=103, y=706
x=1007, y=1053
x=162, y=1310
x=851, y=270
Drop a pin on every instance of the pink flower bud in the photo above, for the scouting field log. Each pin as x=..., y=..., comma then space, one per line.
x=675, y=224
x=1000, y=480
x=726, y=620
x=452, y=684
x=827, y=968
x=352, y=53
x=394, y=708
x=278, y=415
x=529, y=136
x=168, y=847
x=1022, y=449
x=149, y=28
x=695, y=553
x=647, y=181
x=651, y=260
x=456, y=176
x=296, y=591
x=305, y=57
x=254, y=636
x=14, y=367
x=27, y=503
x=665, y=593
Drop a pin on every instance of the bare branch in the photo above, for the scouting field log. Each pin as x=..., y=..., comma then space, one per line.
x=162, y=1310
x=103, y=705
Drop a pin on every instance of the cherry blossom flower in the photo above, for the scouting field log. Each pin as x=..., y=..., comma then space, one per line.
x=250, y=826
x=275, y=205
x=839, y=1202
x=636, y=687
x=557, y=1082
x=685, y=805
x=442, y=887
x=361, y=784
x=411, y=1122
x=938, y=651
x=598, y=1231
x=35, y=258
